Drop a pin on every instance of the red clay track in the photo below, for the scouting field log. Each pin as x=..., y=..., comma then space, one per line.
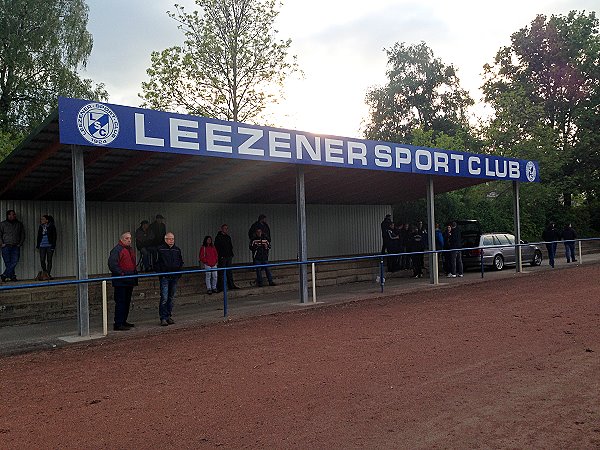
x=511, y=363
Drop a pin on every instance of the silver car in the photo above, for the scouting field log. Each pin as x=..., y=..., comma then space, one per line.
x=499, y=251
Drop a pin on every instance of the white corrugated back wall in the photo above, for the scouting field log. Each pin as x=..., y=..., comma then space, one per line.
x=332, y=229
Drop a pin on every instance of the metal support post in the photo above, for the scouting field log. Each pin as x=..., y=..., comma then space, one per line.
x=517, y=220
x=314, y=283
x=302, y=245
x=433, y=257
x=83, y=309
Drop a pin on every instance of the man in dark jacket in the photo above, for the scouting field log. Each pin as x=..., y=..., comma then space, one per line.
x=550, y=237
x=12, y=236
x=385, y=225
x=261, y=224
x=455, y=244
x=225, y=250
x=169, y=260
x=144, y=242
x=569, y=237
x=259, y=246
x=121, y=262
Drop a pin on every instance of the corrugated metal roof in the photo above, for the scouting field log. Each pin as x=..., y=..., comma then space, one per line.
x=40, y=169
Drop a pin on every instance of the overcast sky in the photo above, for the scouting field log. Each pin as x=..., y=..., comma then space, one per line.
x=339, y=43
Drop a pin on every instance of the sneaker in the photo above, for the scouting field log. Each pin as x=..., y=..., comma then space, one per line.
x=170, y=321
x=272, y=283
x=460, y=275
x=130, y=325
x=4, y=279
x=163, y=323
x=209, y=292
x=13, y=279
x=451, y=275
x=121, y=328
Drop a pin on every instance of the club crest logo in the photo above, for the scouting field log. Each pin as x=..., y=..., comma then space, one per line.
x=98, y=124
x=530, y=171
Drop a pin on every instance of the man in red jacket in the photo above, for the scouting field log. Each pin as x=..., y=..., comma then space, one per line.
x=121, y=261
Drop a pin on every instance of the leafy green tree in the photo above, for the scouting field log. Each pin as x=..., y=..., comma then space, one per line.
x=230, y=65
x=545, y=89
x=421, y=93
x=43, y=44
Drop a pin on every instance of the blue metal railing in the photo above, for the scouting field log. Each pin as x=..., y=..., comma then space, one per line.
x=380, y=257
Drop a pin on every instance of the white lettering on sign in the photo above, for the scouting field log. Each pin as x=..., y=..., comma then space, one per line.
x=358, y=151
x=175, y=133
x=246, y=146
x=302, y=142
x=212, y=138
x=423, y=159
x=383, y=156
x=279, y=140
x=471, y=165
x=333, y=147
x=140, y=133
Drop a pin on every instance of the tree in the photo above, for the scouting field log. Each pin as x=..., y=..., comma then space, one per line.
x=545, y=89
x=230, y=65
x=421, y=92
x=43, y=43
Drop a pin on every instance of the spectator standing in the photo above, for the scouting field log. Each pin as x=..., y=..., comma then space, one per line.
x=385, y=226
x=46, y=243
x=261, y=224
x=439, y=243
x=208, y=258
x=455, y=244
x=447, y=256
x=550, y=237
x=569, y=237
x=417, y=244
x=224, y=247
x=144, y=242
x=392, y=243
x=159, y=230
x=260, y=246
x=169, y=260
x=121, y=262
x=12, y=237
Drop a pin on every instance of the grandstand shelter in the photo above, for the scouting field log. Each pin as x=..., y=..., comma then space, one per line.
x=100, y=169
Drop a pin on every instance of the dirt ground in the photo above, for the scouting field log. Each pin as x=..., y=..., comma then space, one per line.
x=511, y=363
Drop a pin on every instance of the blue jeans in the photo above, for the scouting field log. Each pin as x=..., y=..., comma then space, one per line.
x=259, y=278
x=570, y=251
x=10, y=255
x=168, y=287
x=551, y=252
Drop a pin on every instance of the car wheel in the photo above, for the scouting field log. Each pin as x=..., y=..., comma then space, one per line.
x=537, y=258
x=498, y=262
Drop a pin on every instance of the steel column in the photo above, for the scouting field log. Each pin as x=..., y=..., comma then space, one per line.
x=433, y=257
x=517, y=219
x=83, y=309
x=301, y=220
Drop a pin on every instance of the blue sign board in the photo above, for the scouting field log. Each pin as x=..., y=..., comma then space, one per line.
x=83, y=122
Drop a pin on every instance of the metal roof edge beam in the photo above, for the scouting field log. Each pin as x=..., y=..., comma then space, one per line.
x=41, y=157
x=179, y=159
x=112, y=174
x=67, y=175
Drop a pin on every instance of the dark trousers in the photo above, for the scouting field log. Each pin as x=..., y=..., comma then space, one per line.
x=225, y=262
x=122, y=303
x=456, y=265
x=551, y=247
x=46, y=254
x=10, y=255
x=259, y=278
x=570, y=251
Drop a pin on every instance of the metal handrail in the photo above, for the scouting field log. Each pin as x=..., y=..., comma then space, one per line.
x=313, y=262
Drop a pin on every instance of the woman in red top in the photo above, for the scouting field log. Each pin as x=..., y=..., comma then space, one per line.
x=208, y=258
